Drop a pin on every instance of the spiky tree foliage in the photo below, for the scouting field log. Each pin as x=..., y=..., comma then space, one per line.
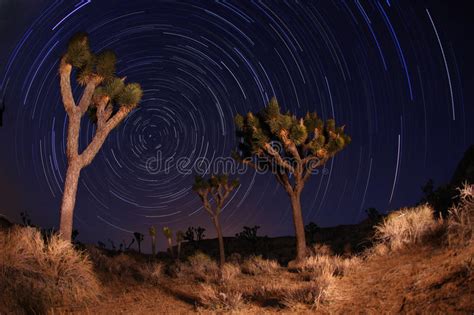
x=139, y=238
x=179, y=240
x=152, y=232
x=217, y=187
x=305, y=144
x=106, y=99
x=169, y=237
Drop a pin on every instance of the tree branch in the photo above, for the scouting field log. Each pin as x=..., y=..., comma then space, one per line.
x=101, y=134
x=65, y=82
x=88, y=93
x=283, y=179
x=278, y=159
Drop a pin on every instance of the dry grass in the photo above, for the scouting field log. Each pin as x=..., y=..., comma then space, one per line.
x=229, y=272
x=125, y=267
x=199, y=267
x=256, y=265
x=417, y=280
x=332, y=265
x=407, y=226
x=296, y=294
x=220, y=298
x=36, y=276
x=461, y=218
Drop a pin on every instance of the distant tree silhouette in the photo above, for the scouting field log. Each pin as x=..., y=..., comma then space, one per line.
x=152, y=232
x=373, y=214
x=189, y=234
x=217, y=187
x=200, y=233
x=304, y=144
x=25, y=218
x=179, y=240
x=139, y=238
x=106, y=99
x=168, y=233
x=248, y=233
x=310, y=230
x=445, y=196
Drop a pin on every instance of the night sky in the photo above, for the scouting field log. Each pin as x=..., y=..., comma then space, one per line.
x=397, y=74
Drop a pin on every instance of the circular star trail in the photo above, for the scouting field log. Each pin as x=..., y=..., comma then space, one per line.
x=384, y=70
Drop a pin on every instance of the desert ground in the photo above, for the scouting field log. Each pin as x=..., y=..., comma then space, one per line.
x=408, y=262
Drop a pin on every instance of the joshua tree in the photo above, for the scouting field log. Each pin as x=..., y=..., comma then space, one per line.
x=189, y=235
x=200, y=233
x=219, y=188
x=304, y=144
x=373, y=214
x=139, y=238
x=152, y=232
x=106, y=99
x=169, y=236
x=311, y=229
x=25, y=218
x=126, y=247
x=179, y=240
x=248, y=234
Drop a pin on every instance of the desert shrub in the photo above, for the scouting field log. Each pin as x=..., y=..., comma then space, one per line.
x=200, y=267
x=322, y=249
x=36, y=275
x=406, y=226
x=220, y=298
x=256, y=265
x=152, y=273
x=124, y=266
x=461, y=218
x=235, y=258
x=379, y=249
x=229, y=272
x=318, y=265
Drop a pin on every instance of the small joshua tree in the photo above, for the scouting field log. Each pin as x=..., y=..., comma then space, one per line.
x=219, y=188
x=179, y=240
x=106, y=99
x=189, y=235
x=311, y=229
x=152, y=232
x=139, y=238
x=248, y=233
x=200, y=233
x=169, y=237
x=306, y=143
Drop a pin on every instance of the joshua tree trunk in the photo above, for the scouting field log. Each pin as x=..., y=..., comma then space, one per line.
x=221, y=240
x=153, y=245
x=179, y=250
x=69, y=200
x=170, y=247
x=299, y=226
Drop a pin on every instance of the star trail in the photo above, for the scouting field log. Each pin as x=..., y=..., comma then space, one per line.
x=385, y=69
